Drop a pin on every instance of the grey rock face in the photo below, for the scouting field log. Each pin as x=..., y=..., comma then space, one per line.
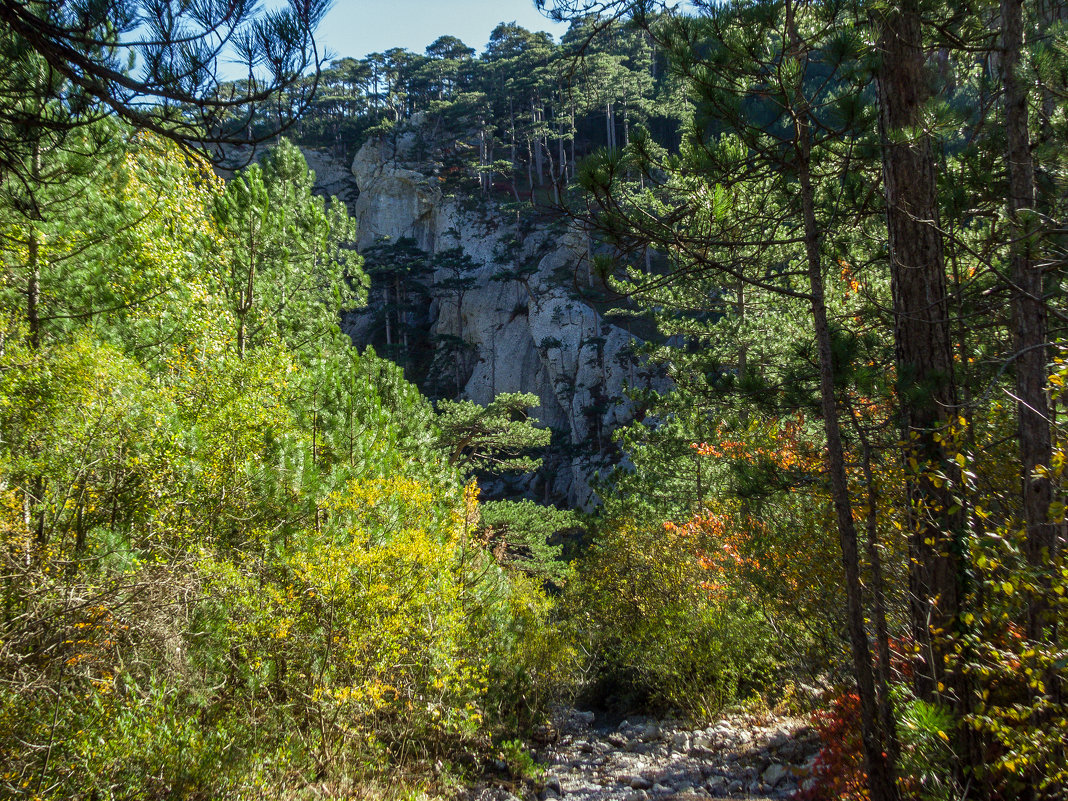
x=527, y=333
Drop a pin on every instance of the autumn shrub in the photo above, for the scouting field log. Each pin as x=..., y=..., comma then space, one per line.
x=1017, y=711
x=838, y=772
x=654, y=634
x=530, y=662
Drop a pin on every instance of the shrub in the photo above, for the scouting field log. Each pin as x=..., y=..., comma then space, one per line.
x=654, y=634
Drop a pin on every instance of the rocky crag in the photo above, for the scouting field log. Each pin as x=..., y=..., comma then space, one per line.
x=523, y=322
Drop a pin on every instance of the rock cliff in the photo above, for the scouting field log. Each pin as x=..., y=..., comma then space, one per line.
x=522, y=319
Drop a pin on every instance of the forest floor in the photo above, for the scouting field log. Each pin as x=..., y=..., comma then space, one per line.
x=741, y=755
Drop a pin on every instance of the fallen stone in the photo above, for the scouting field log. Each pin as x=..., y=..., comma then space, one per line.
x=651, y=732
x=775, y=774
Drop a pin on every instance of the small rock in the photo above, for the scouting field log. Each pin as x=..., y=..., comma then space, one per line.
x=494, y=794
x=680, y=739
x=638, y=783
x=661, y=789
x=682, y=789
x=553, y=784
x=650, y=732
x=584, y=717
x=636, y=795
x=735, y=786
x=775, y=774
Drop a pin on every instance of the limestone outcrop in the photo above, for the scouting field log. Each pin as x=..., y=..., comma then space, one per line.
x=523, y=320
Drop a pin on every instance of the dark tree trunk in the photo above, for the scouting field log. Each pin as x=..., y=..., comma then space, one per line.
x=878, y=764
x=921, y=335
x=1028, y=308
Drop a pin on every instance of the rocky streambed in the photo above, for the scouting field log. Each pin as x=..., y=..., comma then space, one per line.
x=642, y=759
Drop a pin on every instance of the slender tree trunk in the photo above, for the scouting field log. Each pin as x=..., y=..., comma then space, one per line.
x=33, y=317
x=530, y=167
x=539, y=158
x=33, y=289
x=511, y=117
x=878, y=593
x=922, y=338
x=879, y=764
x=573, y=137
x=1028, y=309
x=880, y=769
x=389, y=326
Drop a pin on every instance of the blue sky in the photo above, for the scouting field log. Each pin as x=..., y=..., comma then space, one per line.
x=358, y=27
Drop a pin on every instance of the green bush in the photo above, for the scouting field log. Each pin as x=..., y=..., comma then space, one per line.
x=653, y=634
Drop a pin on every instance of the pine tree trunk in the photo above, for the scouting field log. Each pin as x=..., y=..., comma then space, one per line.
x=539, y=158
x=1028, y=309
x=389, y=327
x=33, y=289
x=922, y=338
x=878, y=763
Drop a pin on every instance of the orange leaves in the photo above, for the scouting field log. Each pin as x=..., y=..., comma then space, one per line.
x=779, y=442
x=849, y=278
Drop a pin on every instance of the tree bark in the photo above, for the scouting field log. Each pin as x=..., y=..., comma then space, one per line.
x=924, y=357
x=1028, y=309
x=879, y=767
